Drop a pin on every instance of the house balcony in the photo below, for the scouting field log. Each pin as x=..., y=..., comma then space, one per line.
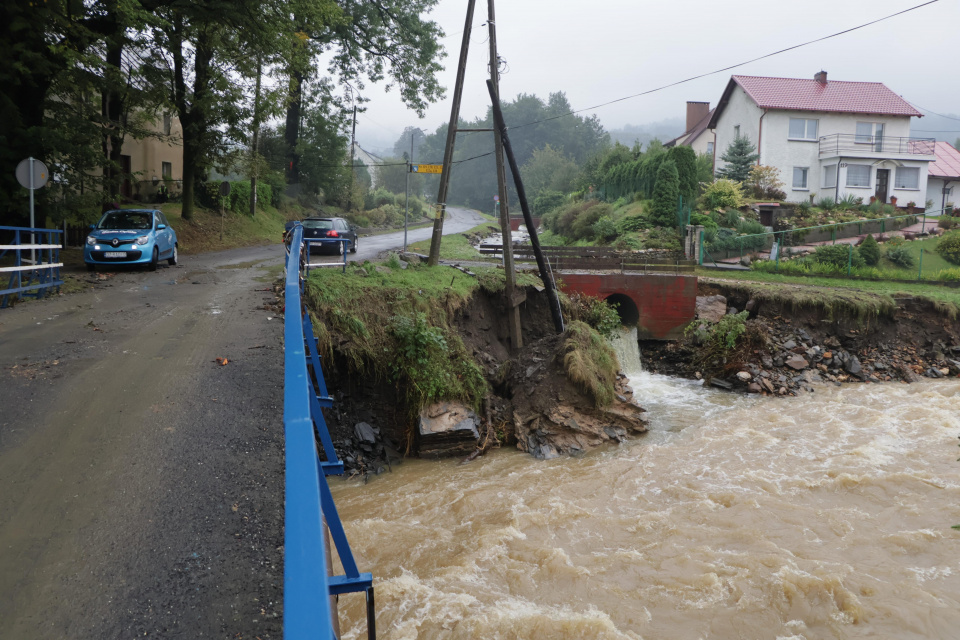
x=850, y=145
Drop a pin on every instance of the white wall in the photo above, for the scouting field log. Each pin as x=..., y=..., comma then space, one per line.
x=740, y=110
x=934, y=185
x=699, y=145
x=778, y=150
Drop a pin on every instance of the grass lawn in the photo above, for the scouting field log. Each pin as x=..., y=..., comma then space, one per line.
x=457, y=246
x=883, y=288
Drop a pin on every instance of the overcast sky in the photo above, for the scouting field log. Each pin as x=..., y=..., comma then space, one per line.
x=601, y=50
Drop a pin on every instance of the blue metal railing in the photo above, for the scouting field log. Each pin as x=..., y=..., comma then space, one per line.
x=307, y=588
x=33, y=276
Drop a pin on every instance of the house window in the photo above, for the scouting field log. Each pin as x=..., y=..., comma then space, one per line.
x=709, y=148
x=867, y=132
x=166, y=124
x=736, y=131
x=800, y=177
x=858, y=175
x=166, y=170
x=907, y=178
x=802, y=129
x=830, y=176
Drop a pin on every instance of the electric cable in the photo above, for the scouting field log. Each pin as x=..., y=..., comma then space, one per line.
x=734, y=66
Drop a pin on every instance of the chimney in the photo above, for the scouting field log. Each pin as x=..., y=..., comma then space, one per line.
x=696, y=111
x=821, y=77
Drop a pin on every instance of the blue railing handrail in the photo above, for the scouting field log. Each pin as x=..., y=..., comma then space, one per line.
x=41, y=272
x=308, y=502
x=306, y=607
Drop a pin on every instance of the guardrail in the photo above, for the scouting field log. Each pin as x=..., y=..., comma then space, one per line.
x=851, y=143
x=597, y=259
x=309, y=611
x=33, y=276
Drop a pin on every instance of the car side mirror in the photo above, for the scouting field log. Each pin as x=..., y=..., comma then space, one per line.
x=161, y=226
x=93, y=226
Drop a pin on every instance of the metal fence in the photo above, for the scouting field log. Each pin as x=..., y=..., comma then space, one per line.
x=786, y=251
x=309, y=609
x=31, y=257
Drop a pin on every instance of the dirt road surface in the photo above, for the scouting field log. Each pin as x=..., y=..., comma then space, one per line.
x=141, y=482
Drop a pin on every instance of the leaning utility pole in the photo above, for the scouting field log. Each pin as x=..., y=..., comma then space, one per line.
x=512, y=298
x=451, y=136
x=545, y=273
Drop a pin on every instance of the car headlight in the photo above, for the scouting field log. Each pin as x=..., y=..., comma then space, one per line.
x=143, y=240
x=91, y=240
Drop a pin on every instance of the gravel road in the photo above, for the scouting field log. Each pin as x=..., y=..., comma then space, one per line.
x=141, y=482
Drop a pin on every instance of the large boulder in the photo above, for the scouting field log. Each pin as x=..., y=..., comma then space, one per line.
x=447, y=429
x=711, y=308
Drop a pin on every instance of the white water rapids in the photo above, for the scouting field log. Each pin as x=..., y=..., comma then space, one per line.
x=822, y=516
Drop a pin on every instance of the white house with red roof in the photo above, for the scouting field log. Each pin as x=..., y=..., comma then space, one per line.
x=943, y=182
x=827, y=138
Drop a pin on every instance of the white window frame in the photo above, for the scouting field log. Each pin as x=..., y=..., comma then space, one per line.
x=916, y=183
x=804, y=174
x=709, y=148
x=829, y=175
x=736, y=131
x=876, y=131
x=807, y=136
x=859, y=186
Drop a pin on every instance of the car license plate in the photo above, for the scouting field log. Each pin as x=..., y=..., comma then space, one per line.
x=115, y=254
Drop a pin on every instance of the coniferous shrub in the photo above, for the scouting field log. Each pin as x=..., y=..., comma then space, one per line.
x=949, y=247
x=686, y=160
x=739, y=158
x=666, y=192
x=839, y=255
x=870, y=250
x=900, y=256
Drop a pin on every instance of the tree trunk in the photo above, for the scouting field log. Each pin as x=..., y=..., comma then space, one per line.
x=292, y=130
x=193, y=119
x=112, y=113
x=255, y=143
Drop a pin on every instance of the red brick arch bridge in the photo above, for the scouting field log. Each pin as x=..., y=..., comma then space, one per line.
x=660, y=304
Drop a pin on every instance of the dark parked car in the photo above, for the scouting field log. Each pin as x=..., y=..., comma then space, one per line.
x=329, y=229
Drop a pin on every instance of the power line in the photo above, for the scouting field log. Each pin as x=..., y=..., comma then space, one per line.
x=916, y=106
x=734, y=66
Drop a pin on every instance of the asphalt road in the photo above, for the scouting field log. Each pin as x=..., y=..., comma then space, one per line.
x=141, y=482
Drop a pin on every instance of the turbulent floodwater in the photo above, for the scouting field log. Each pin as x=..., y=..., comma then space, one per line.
x=822, y=516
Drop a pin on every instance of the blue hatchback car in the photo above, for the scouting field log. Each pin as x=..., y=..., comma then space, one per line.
x=131, y=236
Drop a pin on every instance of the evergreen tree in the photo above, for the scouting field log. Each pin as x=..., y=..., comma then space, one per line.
x=870, y=250
x=739, y=157
x=686, y=160
x=666, y=191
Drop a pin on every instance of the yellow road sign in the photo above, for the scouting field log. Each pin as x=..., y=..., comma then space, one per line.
x=426, y=168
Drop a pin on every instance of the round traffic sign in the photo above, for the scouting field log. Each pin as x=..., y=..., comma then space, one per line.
x=224, y=188
x=40, y=174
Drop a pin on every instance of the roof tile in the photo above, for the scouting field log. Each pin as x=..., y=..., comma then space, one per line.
x=835, y=96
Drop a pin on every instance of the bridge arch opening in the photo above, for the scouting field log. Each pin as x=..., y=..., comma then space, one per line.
x=626, y=308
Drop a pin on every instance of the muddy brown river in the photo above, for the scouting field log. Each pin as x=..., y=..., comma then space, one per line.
x=823, y=516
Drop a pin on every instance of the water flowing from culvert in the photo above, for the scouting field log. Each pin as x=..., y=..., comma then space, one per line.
x=625, y=345
x=822, y=516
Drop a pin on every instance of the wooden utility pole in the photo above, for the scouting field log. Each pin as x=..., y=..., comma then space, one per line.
x=510, y=293
x=451, y=137
x=545, y=274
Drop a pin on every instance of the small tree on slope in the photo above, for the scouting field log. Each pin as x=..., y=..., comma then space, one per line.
x=666, y=191
x=739, y=158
